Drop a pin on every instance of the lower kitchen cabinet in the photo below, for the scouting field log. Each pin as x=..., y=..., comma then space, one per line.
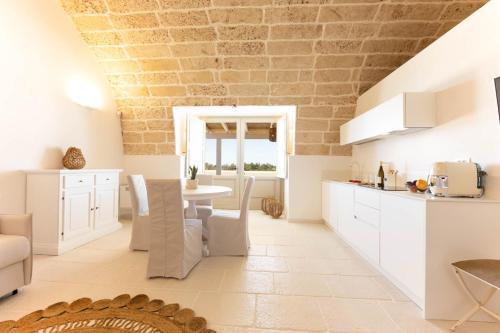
x=413, y=238
x=71, y=207
x=402, y=243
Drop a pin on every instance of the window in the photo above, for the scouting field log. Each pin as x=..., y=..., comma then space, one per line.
x=221, y=148
x=260, y=154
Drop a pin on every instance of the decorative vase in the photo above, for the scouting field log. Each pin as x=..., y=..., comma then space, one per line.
x=191, y=184
x=73, y=159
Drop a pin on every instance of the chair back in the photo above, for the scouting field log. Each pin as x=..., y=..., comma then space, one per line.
x=205, y=180
x=138, y=195
x=166, y=213
x=245, y=202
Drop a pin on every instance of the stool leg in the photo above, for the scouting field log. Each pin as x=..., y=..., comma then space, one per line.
x=465, y=318
x=478, y=304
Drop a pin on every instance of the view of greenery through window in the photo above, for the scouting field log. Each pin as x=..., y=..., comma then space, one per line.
x=248, y=166
x=260, y=155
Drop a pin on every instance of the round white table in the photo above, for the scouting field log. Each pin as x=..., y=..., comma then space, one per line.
x=203, y=192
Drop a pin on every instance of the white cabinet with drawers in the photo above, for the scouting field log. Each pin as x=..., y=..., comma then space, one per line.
x=413, y=238
x=71, y=207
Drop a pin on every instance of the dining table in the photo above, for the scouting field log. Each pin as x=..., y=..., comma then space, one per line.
x=203, y=192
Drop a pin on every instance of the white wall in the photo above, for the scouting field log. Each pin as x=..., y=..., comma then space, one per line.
x=460, y=68
x=42, y=57
x=303, y=187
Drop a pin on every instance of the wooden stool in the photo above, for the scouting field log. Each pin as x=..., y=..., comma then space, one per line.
x=484, y=270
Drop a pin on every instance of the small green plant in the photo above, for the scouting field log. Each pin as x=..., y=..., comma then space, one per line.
x=193, y=170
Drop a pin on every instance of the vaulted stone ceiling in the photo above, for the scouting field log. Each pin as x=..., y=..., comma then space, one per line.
x=316, y=54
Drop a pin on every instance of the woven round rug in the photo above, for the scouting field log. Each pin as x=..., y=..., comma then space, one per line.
x=123, y=314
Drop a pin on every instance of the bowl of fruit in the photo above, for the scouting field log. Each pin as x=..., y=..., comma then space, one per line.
x=419, y=185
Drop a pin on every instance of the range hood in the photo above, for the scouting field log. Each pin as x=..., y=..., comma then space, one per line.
x=402, y=114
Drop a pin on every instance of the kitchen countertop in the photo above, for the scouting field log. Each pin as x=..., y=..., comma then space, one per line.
x=419, y=196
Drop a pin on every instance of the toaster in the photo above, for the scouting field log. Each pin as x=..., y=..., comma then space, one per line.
x=456, y=179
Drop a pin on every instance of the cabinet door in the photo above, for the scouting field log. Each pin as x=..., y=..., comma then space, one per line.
x=402, y=241
x=325, y=202
x=344, y=196
x=77, y=212
x=106, y=206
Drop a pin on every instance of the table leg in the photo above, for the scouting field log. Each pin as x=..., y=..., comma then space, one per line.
x=191, y=212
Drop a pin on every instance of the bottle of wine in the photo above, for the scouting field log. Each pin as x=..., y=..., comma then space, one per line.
x=381, y=176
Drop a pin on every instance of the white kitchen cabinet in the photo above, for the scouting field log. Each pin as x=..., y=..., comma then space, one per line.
x=71, y=207
x=413, y=238
x=401, y=114
x=343, y=195
x=325, y=202
x=402, y=243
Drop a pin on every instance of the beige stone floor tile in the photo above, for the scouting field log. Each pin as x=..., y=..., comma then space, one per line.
x=235, y=329
x=346, y=286
x=363, y=316
x=232, y=309
x=266, y=264
x=309, y=251
x=221, y=263
x=330, y=266
x=257, y=250
x=199, y=279
x=289, y=312
x=409, y=318
x=300, y=284
x=248, y=282
x=84, y=255
x=396, y=294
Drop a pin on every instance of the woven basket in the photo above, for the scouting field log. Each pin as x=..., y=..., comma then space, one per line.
x=266, y=202
x=275, y=209
x=73, y=159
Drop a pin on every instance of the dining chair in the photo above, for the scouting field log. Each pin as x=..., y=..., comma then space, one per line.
x=486, y=271
x=140, y=213
x=228, y=232
x=176, y=245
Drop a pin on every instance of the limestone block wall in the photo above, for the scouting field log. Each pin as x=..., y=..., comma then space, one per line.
x=317, y=54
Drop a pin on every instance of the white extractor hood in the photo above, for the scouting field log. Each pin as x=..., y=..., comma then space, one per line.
x=401, y=114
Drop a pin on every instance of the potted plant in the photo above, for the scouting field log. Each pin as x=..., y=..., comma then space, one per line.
x=192, y=182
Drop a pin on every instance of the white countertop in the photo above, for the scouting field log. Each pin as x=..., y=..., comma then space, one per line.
x=69, y=171
x=419, y=196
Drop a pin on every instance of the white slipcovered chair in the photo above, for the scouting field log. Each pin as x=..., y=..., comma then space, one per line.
x=176, y=244
x=228, y=233
x=140, y=213
x=16, y=258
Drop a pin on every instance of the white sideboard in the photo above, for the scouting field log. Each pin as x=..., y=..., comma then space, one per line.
x=71, y=207
x=413, y=238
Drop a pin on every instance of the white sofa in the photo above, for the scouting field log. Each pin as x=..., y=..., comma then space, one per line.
x=16, y=259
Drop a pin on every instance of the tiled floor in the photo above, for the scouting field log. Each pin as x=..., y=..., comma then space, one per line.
x=299, y=278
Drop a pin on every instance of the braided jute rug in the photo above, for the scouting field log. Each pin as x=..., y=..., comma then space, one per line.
x=123, y=314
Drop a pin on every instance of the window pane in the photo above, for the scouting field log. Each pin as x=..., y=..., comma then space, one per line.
x=260, y=152
x=221, y=136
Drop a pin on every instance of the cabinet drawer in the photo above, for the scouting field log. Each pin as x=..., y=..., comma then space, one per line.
x=367, y=197
x=366, y=239
x=367, y=214
x=78, y=180
x=106, y=178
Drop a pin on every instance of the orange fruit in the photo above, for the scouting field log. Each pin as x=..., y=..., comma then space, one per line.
x=421, y=184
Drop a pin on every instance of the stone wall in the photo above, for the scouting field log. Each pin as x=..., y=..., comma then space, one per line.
x=316, y=54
